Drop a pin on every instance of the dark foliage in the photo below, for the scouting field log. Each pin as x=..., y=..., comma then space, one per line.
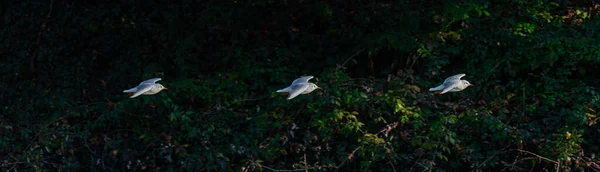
x=64, y=65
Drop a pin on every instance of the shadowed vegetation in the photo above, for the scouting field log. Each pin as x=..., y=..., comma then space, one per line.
x=533, y=107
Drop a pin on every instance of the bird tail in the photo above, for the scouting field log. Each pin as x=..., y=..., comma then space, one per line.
x=130, y=90
x=438, y=88
x=133, y=96
x=284, y=90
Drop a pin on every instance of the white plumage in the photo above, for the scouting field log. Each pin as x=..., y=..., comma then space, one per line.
x=452, y=84
x=147, y=87
x=299, y=86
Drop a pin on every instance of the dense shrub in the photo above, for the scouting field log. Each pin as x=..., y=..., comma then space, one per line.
x=534, y=107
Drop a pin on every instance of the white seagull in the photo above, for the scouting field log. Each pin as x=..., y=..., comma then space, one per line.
x=452, y=84
x=147, y=87
x=300, y=86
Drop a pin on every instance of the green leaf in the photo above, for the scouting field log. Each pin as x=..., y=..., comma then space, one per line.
x=486, y=13
x=363, y=95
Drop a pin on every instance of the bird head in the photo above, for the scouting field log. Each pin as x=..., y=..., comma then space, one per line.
x=467, y=83
x=312, y=87
x=161, y=87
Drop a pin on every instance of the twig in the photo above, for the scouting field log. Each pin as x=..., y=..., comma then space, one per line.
x=541, y=157
x=424, y=167
x=410, y=68
x=305, y=169
x=305, y=164
x=417, y=162
x=15, y=165
x=269, y=168
x=88, y=147
x=42, y=28
x=392, y=164
x=512, y=166
x=354, y=151
x=492, y=156
x=351, y=57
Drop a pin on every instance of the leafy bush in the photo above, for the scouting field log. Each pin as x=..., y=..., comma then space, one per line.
x=65, y=65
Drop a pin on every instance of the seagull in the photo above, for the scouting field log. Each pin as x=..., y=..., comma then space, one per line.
x=148, y=87
x=452, y=84
x=300, y=86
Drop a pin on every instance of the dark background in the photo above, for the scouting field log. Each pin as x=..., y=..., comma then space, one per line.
x=64, y=65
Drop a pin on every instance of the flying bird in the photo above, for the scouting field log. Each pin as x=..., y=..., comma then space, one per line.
x=300, y=86
x=452, y=84
x=147, y=87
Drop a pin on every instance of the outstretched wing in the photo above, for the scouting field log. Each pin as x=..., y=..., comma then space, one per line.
x=144, y=87
x=451, y=84
x=303, y=79
x=151, y=81
x=297, y=89
x=131, y=90
x=455, y=77
x=438, y=88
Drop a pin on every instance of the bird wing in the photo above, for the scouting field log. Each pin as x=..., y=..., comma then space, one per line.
x=286, y=89
x=131, y=90
x=151, y=81
x=303, y=79
x=439, y=87
x=455, y=77
x=297, y=89
x=144, y=87
x=449, y=85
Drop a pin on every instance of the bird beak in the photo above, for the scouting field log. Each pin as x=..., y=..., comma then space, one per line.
x=471, y=85
x=319, y=88
x=165, y=88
